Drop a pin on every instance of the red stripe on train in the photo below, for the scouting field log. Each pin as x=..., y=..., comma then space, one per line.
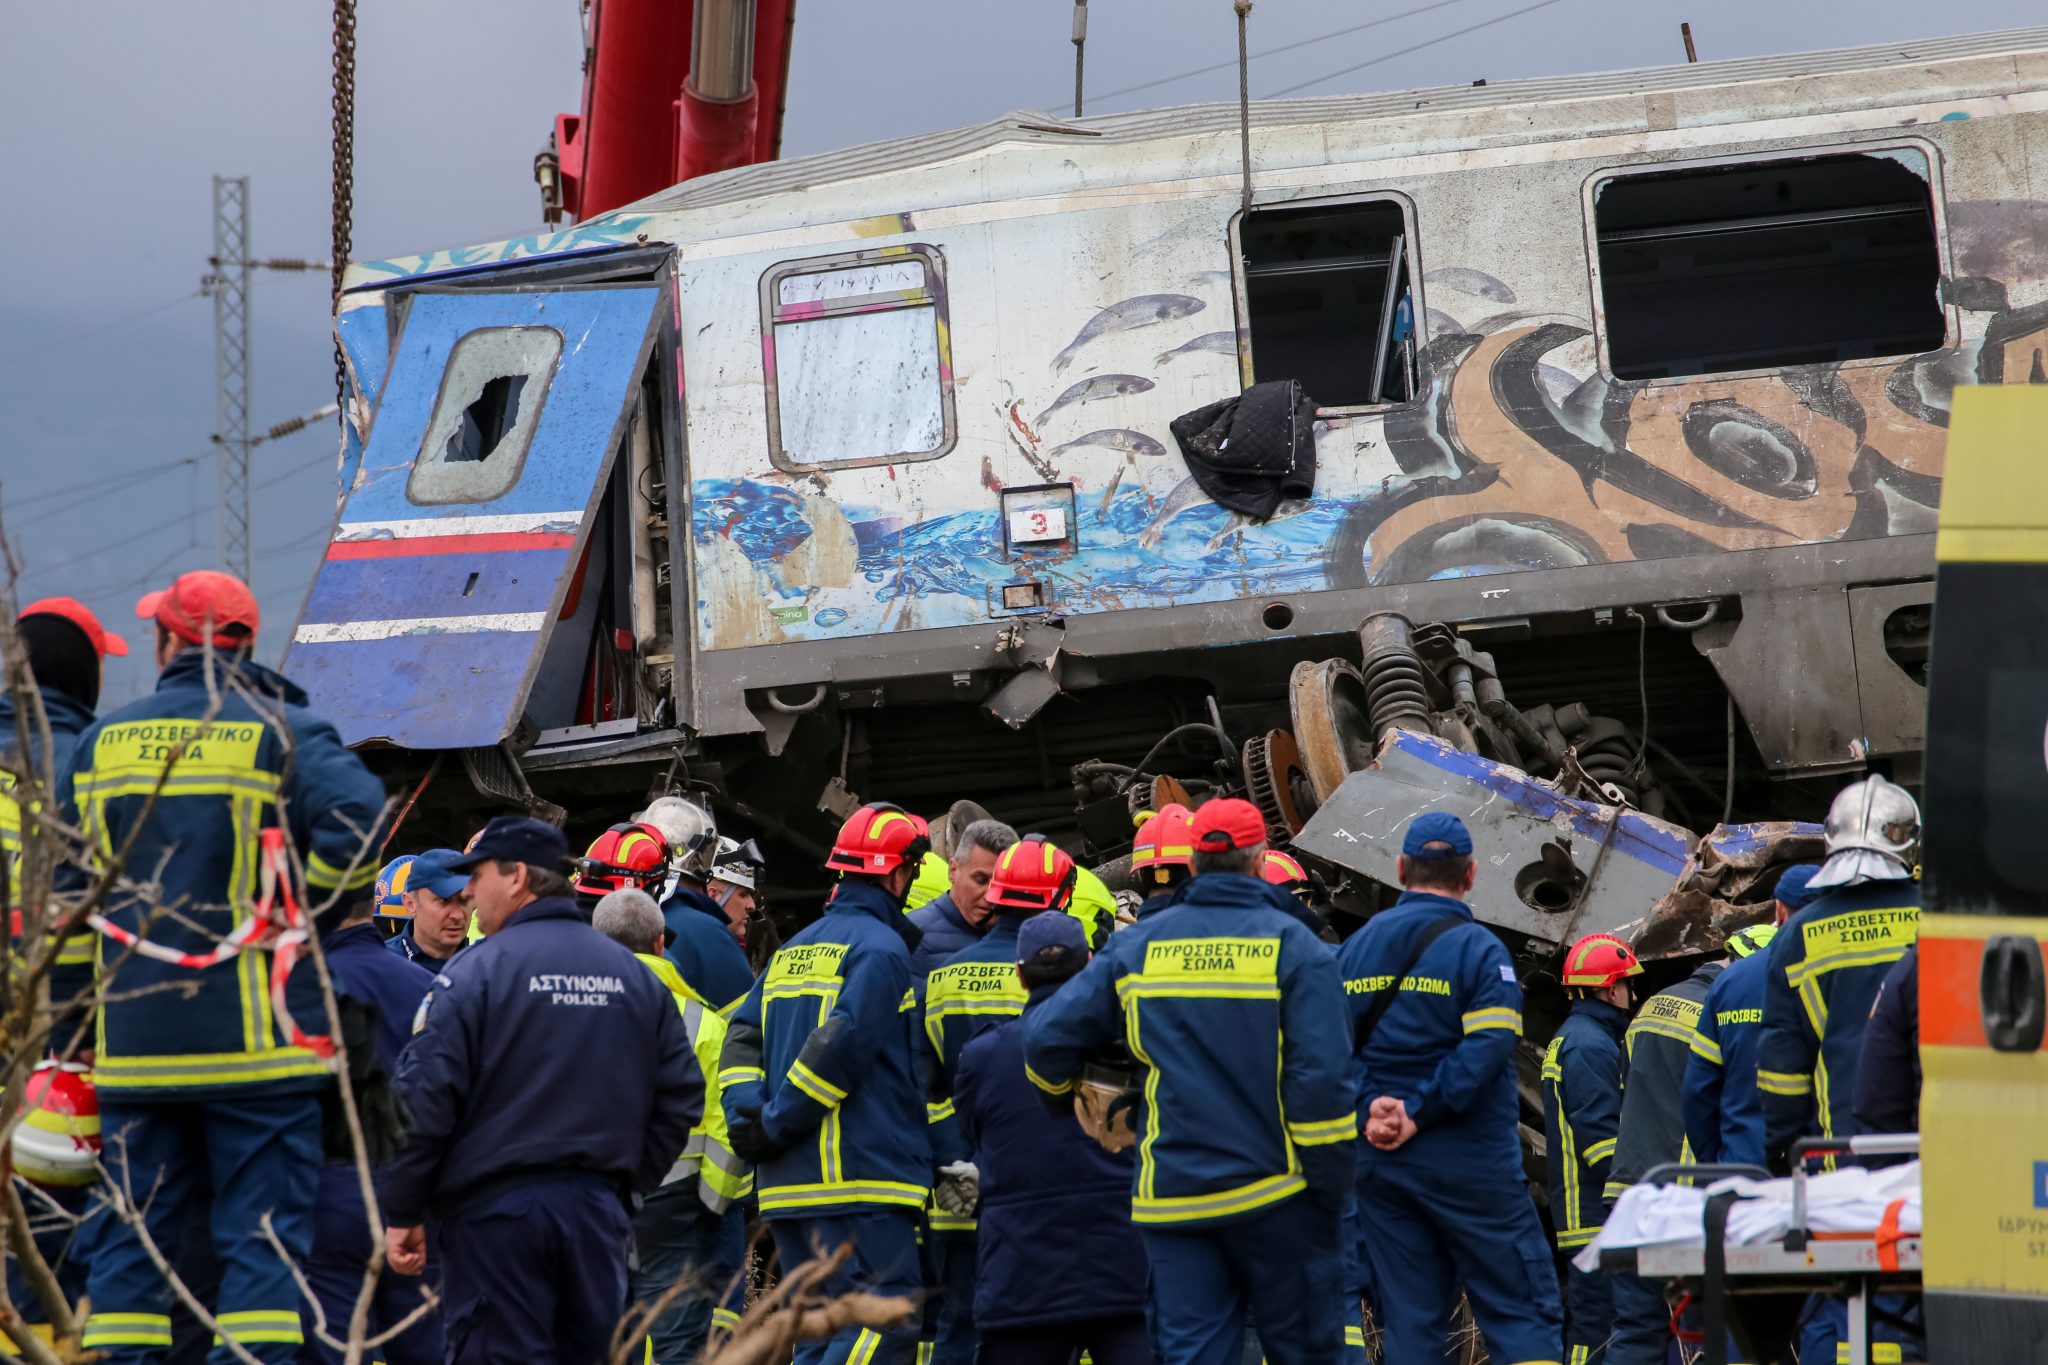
x=407, y=546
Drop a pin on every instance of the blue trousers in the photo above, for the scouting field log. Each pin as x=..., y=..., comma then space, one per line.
x=1282, y=1267
x=258, y=1154
x=953, y=1258
x=884, y=1261
x=1642, y=1323
x=1588, y=1315
x=341, y=1248
x=536, y=1275
x=675, y=1236
x=1430, y=1232
x=1824, y=1337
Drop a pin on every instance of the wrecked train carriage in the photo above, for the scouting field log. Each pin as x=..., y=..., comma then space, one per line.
x=783, y=480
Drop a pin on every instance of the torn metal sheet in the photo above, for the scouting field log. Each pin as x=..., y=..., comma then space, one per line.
x=1726, y=885
x=1541, y=868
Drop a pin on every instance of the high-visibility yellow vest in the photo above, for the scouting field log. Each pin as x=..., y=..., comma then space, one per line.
x=722, y=1178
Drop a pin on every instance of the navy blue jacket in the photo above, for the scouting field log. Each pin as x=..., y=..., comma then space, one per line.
x=701, y=944
x=1159, y=900
x=1446, y=1047
x=546, y=1050
x=824, y=1049
x=364, y=971
x=260, y=754
x=1724, y=1115
x=1659, y=1045
x=1888, y=1072
x=404, y=945
x=971, y=991
x=1057, y=1243
x=1584, y=1069
x=943, y=933
x=67, y=720
x=1826, y=966
x=1236, y=1010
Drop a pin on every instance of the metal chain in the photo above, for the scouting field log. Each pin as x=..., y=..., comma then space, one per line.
x=1244, y=100
x=344, y=177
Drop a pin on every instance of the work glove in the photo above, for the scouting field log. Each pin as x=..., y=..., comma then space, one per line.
x=749, y=1139
x=958, y=1189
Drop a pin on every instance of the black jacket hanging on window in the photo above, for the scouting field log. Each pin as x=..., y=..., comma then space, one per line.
x=1251, y=452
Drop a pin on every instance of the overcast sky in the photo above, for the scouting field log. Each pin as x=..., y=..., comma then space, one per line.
x=120, y=113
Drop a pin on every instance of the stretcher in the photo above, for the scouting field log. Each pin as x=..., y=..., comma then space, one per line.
x=1751, y=1278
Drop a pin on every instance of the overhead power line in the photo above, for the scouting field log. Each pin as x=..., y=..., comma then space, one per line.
x=1416, y=47
x=91, y=332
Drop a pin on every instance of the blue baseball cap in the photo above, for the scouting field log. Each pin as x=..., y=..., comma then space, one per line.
x=1438, y=834
x=1051, y=929
x=516, y=839
x=1792, y=886
x=435, y=871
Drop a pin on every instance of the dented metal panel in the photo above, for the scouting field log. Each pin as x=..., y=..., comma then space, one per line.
x=428, y=618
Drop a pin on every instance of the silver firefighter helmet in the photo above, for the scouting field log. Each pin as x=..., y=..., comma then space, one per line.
x=691, y=833
x=1874, y=816
x=738, y=864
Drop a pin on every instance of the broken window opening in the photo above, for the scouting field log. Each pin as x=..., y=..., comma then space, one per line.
x=1329, y=302
x=1806, y=261
x=485, y=415
x=856, y=360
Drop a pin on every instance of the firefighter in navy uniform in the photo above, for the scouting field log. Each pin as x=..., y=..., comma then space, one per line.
x=700, y=938
x=962, y=998
x=1163, y=857
x=822, y=1089
x=1436, y=1009
x=1584, y=1070
x=549, y=1081
x=1250, y=1121
x=206, y=1083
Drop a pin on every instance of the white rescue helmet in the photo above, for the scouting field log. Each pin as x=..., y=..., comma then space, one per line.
x=738, y=864
x=1874, y=816
x=691, y=833
x=57, y=1143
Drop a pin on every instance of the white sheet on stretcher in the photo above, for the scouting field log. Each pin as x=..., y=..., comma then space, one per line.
x=1848, y=1200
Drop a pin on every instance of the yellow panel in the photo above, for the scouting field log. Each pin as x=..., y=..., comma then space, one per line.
x=1994, y=495
x=1984, y=1172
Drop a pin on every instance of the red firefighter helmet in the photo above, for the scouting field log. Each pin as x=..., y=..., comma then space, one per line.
x=58, y=1140
x=1598, y=961
x=1283, y=871
x=877, y=839
x=624, y=855
x=1164, y=842
x=1032, y=874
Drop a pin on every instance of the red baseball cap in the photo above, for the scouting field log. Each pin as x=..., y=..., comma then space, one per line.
x=1226, y=824
x=199, y=597
x=80, y=615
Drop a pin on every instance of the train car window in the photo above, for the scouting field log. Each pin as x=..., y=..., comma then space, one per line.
x=856, y=359
x=485, y=414
x=1807, y=261
x=1328, y=300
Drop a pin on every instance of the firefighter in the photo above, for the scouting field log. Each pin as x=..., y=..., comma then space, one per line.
x=1658, y=1045
x=680, y=1229
x=1303, y=888
x=970, y=993
x=949, y=922
x=1249, y=1118
x=1163, y=857
x=1436, y=1008
x=549, y=1082
x=821, y=1085
x=435, y=916
x=700, y=940
x=1584, y=1069
x=195, y=1068
x=735, y=884
x=1724, y=1117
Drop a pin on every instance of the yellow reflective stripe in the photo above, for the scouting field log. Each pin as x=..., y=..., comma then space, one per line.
x=1613, y=1189
x=724, y=1319
x=864, y=1347
x=279, y=1326
x=924, y=1352
x=1063, y=1088
x=938, y=1113
x=1576, y=1237
x=1354, y=1335
x=795, y=988
x=736, y=1075
x=205, y=1068
x=1706, y=1048
x=941, y=1221
x=1498, y=1016
x=320, y=872
x=1323, y=1131
x=1180, y=988
x=814, y=1085
x=1881, y=1353
x=75, y=951
x=844, y=1192
x=126, y=1329
x=1579, y=1355
x=1663, y=1028
x=1187, y=1208
x=1783, y=1083
x=1600, y=1151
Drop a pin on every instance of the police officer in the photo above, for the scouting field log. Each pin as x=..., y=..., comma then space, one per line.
x=968, y=994
x=821, y=1084
x=436, y=916
x=1250, y=1120
x=681, y=1228
x=1658, y=1045
x=1724, y=1117
x=700, y=940
x=550, y=1080
x=1436, y=1009
x=195, y=1068
x=1583, y=1072
x=958, y=917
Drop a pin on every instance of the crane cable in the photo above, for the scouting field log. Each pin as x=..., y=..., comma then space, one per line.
x=343, y=198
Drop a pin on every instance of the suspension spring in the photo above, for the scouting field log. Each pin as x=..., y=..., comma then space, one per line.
x=1396, y=688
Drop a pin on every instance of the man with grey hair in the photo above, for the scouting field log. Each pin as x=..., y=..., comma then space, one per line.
x=961, y=916
x=690, y=1226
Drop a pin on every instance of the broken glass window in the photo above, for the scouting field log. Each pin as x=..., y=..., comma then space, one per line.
x=485, y=415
